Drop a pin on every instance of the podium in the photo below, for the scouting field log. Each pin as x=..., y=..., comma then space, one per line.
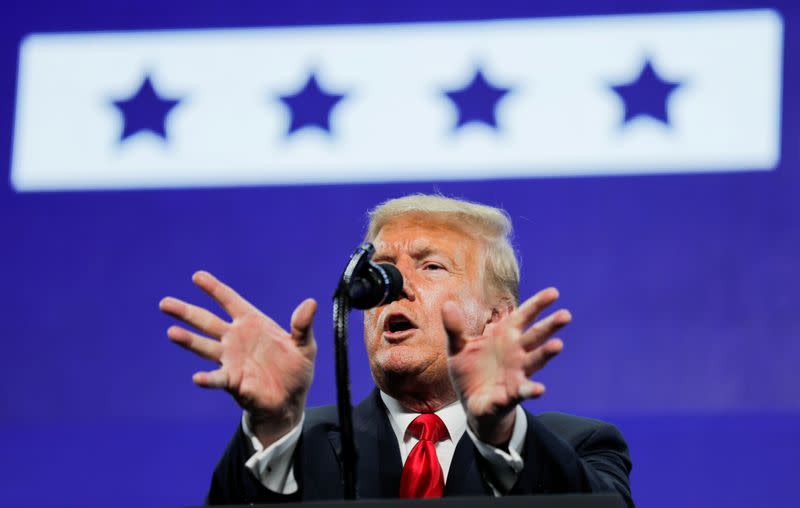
x=539, y=501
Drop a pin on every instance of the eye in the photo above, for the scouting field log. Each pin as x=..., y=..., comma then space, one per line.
x=433, y=266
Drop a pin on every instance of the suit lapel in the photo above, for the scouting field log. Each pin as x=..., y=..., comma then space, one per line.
x=379, y=466
x=464, y=478
x=531, y=479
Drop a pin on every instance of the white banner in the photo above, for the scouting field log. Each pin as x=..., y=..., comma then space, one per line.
x=631, y=94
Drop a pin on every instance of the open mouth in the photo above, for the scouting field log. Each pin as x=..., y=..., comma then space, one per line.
x=396, y=323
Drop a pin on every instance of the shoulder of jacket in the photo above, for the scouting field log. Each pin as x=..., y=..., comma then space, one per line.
x=575, y=429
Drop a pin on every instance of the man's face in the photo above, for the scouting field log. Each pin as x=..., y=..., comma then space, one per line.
x=406, y=342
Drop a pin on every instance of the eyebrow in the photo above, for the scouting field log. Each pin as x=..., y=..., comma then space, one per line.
x=420, y=249
x=423, y=252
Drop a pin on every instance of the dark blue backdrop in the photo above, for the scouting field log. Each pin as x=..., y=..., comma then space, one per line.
x=685, y=333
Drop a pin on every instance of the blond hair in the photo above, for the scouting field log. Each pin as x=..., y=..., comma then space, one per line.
x=488, y=223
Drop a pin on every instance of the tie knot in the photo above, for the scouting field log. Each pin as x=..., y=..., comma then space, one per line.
x=428, y=427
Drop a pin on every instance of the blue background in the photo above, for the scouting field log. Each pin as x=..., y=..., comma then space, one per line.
x=682, y=286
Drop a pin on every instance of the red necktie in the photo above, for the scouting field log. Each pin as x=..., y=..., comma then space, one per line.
x=422, y=475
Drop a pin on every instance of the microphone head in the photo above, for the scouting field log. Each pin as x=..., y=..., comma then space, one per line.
x=395, y=282
x=381, y=284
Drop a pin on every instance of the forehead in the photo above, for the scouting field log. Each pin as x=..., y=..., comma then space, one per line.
x=417, y=234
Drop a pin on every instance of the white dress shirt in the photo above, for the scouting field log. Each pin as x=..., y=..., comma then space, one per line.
x=274, y=468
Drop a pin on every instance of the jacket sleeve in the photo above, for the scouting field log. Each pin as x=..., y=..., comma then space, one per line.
x=565, y=453
x=233, y=483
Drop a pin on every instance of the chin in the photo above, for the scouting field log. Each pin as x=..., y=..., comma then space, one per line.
x=401, y=361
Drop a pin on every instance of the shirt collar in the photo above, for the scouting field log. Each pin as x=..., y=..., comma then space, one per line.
x=453, y=416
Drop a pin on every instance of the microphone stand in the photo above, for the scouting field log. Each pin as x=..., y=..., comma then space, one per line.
x=341, y=311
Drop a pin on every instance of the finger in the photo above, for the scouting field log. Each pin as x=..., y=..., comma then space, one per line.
x=224, y=295
x=214, y=379
x=198, y=317
x=531, y=390
x=207, y=348
x=453, y=320
x=526, y=313
x=302, y=319
x=544, y=329
x=538, y=358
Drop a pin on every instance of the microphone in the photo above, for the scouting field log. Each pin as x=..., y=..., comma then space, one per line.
x=363, y=285
x=366, y=284
x=377, y=284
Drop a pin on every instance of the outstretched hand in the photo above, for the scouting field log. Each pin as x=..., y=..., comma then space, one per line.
x=491, y=372
x=265, y=368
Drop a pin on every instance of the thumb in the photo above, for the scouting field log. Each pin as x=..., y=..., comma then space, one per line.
x=453, y=320
x=302, y=319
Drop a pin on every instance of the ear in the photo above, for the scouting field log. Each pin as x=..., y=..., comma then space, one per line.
x=501, y=309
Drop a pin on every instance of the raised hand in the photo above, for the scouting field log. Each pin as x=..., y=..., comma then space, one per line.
x=491, y=372
x=265, y=368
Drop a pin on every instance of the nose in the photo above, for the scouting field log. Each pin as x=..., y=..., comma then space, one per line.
x=408, y=292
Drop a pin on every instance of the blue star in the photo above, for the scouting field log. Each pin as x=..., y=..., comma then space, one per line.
x=145, y=110
x=477, y=101
x=311, y=106
x=647, y=95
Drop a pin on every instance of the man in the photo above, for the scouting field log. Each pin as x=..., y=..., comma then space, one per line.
x=451, y=359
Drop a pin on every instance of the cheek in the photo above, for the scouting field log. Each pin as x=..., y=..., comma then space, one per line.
x=476, y=313
x=370, y=318
x=473, y=317
x=370, y=321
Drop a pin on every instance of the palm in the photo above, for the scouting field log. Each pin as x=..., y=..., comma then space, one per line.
x=267, y=369
x=490, y=372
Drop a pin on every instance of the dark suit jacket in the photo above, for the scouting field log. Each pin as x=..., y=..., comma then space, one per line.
x=562, y=453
